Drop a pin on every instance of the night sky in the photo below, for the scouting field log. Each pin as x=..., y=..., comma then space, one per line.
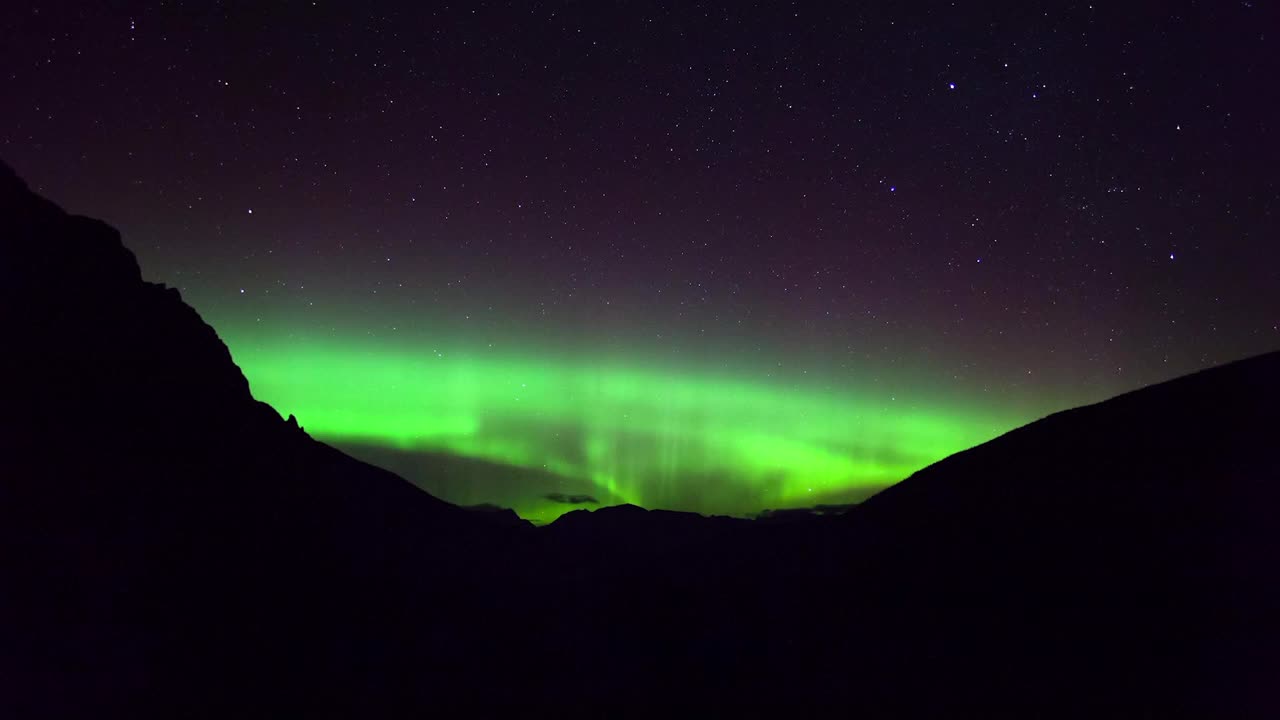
x=718, y=258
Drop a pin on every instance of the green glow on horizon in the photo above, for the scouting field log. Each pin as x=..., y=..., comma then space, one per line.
x=680, y=440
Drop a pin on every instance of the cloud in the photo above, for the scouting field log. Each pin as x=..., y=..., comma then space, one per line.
x=571, y=499
x=824, y=509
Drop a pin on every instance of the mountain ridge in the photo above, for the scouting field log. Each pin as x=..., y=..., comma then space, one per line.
x=174, y=547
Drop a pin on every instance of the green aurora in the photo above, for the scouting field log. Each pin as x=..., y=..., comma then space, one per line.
x=658, y=437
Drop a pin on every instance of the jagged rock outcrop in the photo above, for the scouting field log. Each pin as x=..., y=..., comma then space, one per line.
x=162, y=522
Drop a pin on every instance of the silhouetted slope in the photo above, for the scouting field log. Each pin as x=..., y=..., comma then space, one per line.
x=1190, y=446
x=1136, y=538
x=163, y=524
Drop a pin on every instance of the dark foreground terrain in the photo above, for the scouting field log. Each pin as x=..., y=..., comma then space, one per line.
x=170, y=546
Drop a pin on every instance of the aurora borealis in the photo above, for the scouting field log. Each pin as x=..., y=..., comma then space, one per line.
x=674, y=440
x=714, y=257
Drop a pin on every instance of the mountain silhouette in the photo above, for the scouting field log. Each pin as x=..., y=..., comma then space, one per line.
x=173, y=547
x=158, y=516
x=1136, y=537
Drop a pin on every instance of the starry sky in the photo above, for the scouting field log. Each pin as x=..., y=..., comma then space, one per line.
x=718, y=257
